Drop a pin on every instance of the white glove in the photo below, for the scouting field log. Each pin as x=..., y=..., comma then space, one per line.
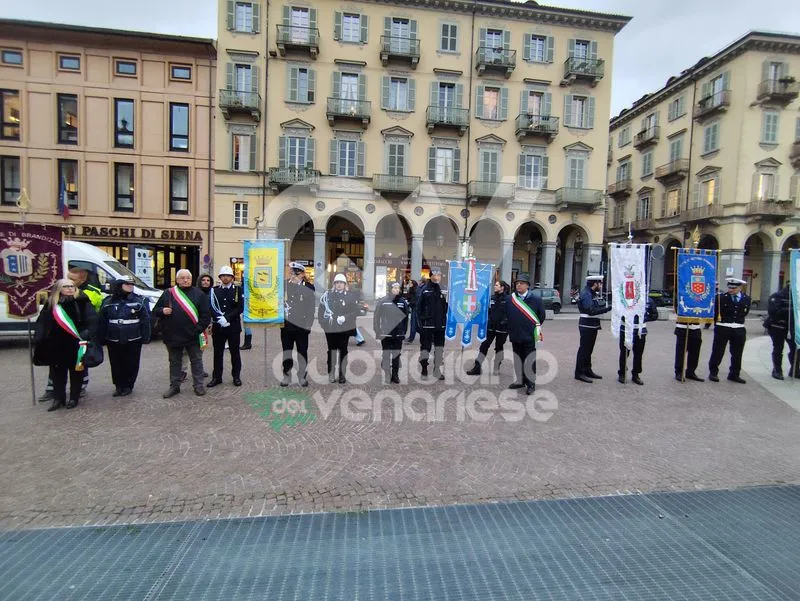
x=340, y=319
x=223, y=323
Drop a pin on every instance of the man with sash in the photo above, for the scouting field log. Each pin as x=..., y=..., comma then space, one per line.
x=227, y=306
x=732, y=308
x=591, y=305
x=185, y=315
x=525, y=316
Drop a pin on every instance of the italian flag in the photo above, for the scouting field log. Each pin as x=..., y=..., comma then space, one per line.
x=188, y=307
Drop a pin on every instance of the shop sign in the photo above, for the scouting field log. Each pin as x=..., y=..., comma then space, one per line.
x=135, y=233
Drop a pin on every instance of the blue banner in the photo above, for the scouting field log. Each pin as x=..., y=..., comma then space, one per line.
x=794, y=279
x=470, y=288
x=262, y=279
x=697, y=281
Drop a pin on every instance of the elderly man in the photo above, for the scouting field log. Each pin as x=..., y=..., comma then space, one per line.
x=526, y=313
x=185, y=314
x=732, y=308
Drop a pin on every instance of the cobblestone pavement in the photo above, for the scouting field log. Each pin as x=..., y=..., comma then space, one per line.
x=233, y=453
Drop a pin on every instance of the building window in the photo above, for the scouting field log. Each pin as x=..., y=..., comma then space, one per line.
x=125, y=68
x=769, y=129
x=533, y=171
x=765, y=186
x=624, y=136
x=11, y=57
x=449, y=39
x=647, y=164
x=123, y=117
x=10, y=110
x=68, y=182
x=180, y=72
x=69, y=62
x=676, y=108
x=488, y=166
x=491, y=103
x=708, y=192
x=296, y=152
x=624, y=171
x=351, y=28
x=538, y=50
x=711, y=138
x=672, y=203
x=398, y=94
x=243, y=17
x=179, y=190
x=579, y=111
x=301, y=84
x=396, y=155
x=179, y=127
x=618, y=216
x=240, y=217
x=123, y=187
x=347, y=158
x=443, y=165
x=9, y=181
x=243, y=152
x=67, y=119
x=643, y=208
x=676, y=149
x=576, y=170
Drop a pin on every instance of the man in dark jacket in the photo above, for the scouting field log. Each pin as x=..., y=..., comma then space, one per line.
x=780, y=328
x=639, y=337
x=298, y=319
x=390, y=323
x=591, y=305
x=184, y=314
x=526, y=313
x=124, y=326
x=732, y=308
x=431, y=322
x=227, y=305
x=497, y=331
x=337, y=313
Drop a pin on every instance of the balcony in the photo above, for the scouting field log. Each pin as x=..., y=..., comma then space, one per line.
x=706, y=212
x=673, y=171
x=285, y=177
x=646, y=137
x=771, y=210
x=794, y=155
x=400, y=184
x=495, y=59
x=578, y=198
x=543, y=126
x=620, y=189
x=482, y=189
x=304, y=39
x=781, y=91
x=710, y=105
x=393, y=47
x=238, y=101
x=346, y=108
x=447, y=116
x=584, y=69
x=643, y=225
x=669, y=216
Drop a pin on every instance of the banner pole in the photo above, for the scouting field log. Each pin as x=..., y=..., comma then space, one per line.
x=685, y=350
x=30, y=359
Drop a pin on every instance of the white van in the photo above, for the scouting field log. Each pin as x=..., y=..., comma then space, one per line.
x=103, y=269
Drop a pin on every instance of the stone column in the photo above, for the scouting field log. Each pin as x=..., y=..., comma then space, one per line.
x=531, y=268
x=566, y=281
x=657, y=271
x=548, y=277
x=320, y=260
x=592, y=257
x=770, y=276
x=508, y=257
x=733, y=259
x=416, y=256
x=368, y=275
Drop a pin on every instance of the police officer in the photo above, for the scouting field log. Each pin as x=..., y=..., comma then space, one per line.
x=337, y=313
x=124, y=326
x=778, y=325
x=298, y=319
x=227, y=306
x=590, y=304
x=639, y=338
x=732, y=307
x=431, y=322
x=497, y=331
x=688, y=340
x=390, y=323
x=526, y=313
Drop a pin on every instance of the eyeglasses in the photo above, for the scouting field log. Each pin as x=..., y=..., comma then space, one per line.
x=67, y=286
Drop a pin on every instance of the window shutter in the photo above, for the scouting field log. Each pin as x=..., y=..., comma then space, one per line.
x=775, y=187
x=671, y=110
x=765, y=70
x=571, y=48
x=547, y=104
x=287, y=15
x=229, y=76
x=681, y=106
x=312, y=19
x=456, y=165
x=593, y=50
x=698, y=190
x=312, y=86
x=658, y=117
x=705, y=90
x=568, y=108
x=521, y=170
x=784, y=69
x=506, y=39
x=412, y=29
x=432, y=163
x=232, y=153
x=706, y=139
x=334, y=162
x=479, y=102
x=256, y=17
x=526, y=47
x=545, y=171
x=550, y=41
x=663, y=204
x=434, y=100
x=482, y=37
x=254, y=79
x=282, y=152
x=292, y=84
x=406, y=149
x=360, y=164
x=362, y=86
x=460, y=100
x=794, y=188
x=412, y=94
x=385, y=91
x=726, y=80
x=337, y=25
x=387, y=26
x=337, y=84
x=589, y=121
x=253, y=146
x=364, y=21
x=716, y=189
x=311, y=151
x=230, y=22
x=503, y=103
x=523, y=102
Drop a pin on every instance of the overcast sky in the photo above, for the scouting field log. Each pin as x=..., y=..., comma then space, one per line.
x=664, y=37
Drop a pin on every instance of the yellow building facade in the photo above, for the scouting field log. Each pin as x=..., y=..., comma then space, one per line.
x=383, y=139
x=717, y=149
x=117, y=127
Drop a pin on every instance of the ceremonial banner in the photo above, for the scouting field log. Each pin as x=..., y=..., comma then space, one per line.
x=628, y=287
x=30, y=261
x=263, y=281
x=794, y=279
x=696, y=288
x=468, y=299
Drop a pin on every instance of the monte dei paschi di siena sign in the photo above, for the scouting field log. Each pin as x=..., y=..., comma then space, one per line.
x=135, y=233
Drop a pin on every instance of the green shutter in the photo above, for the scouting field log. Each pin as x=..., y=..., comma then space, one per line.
x=526, y=47
x=705, y=90
x=232, y=157
x=545, y=171
x=593, y=50
x=334, y=162
x=387, y=26
x=506, y=39
x=311, y=151
x=784, y=69
x=726, y=80
x=550, y=41
x=589, y=121
x=521, y=170
x=362, y=86
x=412, y=29
x=254, y=82
x=291, y=84
x=385, y=91
x=256, y=17
x=482, y=38
x=765, y=70
x=312, y=19
x=503, y=103
x=434, y=93
x=456, y=165
x=658, y=117
x=568, y=110
x=230, y=20
x=229, y=76
x=364, y=21
x=412, y=94
x=571, y=48
x=282, y=152
x=253, y=146
x=459, y=95
x=479, y=102
x=312, y=86
x=547, y=104
x=431, y=163
x=287, y=15
x=523, y=102
x=337, y=25
x=360, y=164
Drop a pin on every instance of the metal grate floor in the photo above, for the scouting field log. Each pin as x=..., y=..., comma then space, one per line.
x=716, y=545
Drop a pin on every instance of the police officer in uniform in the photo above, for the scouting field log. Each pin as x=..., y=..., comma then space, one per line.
x=431, y=323
x=337, y=313
x=732, y=308
x=590, y=304
x=498, y=328
x=639, y=339
x=781, y=330
x=299, y=317
x=690, y=348
x=227, y=306
x=390, y=323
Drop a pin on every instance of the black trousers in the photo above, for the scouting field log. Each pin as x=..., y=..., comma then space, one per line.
x=290, y=339
x=690, y=347
x=390, y=362
x=176, y=362
x=124, y=359
x=638, y=351
x=337, y=345
x=499, y=339
x=232, y=337
x=430, y=337
x=524, y=362
x=583, y=363
x=58, y=373
x=722, y=336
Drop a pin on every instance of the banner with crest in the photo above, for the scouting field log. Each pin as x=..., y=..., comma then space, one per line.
x=263, y=281
x=696, y=287
x=468, y=299
x=30, y=261
x=794, y=280
x=628, y=287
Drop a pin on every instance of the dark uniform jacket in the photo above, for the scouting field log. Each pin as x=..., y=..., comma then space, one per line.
x=333, y=305
x=730, y=311
x=230, y=302
x=590, y=306
x=53, y=344
x=391, y=317
x=124, y=318
x=178, y=328
x=778, y=310
x=431, y=308
x=520, y=328
x=299, y=306
x=498, y=313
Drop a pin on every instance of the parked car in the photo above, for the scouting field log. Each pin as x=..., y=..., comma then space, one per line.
x=663, y=298
x=550, y=297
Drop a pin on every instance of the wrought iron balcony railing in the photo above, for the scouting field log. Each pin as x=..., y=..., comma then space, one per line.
x=293, y=176
x=779, y=90
x=347, y=108
x=446, y=116
x=621, y=188
x=578, y=67
x=647, y=137
x=383, y=182
x=240, y=101
x=673, y=169
x=713, y=103
x=400, y=47
x=772, y=208
x=695, y=214
x=488, y=57
x=485, y=189
x=536, y=125
x=583, y=198
x=299, y=38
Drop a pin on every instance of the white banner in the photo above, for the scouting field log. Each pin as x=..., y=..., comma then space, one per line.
x=628, y=287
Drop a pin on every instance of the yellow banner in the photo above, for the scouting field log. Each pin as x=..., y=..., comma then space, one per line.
x=263, y=281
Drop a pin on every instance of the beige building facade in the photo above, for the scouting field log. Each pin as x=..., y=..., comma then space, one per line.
x=110, y=133
x=383, y=139
x=717, y=149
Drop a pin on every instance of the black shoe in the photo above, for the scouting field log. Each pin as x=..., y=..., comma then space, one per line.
x=516, y=385
x=199, y=391
x=591, y=374
x=475, y=370
x=713, y=377
x=424, y=373
x=248, y=343
x=679, y=379
x=48, y=395
x=737, y=379
x=637, y=380
x=529, y=389
x=117, y=392
x=395, y=379
x=438, y=374
x=172, y=391
x=777, y=375
x=214, y=382
x=56, y=404
x=583, y=378
x=71, y=404
x=621, y=379
x=286, y=380
x=126, y=391
x=694, y=378
x=237, y=381
x=342, y=380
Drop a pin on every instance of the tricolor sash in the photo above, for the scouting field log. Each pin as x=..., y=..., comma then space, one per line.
x=65, y=322
x=188, y=307
x=529, y=313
